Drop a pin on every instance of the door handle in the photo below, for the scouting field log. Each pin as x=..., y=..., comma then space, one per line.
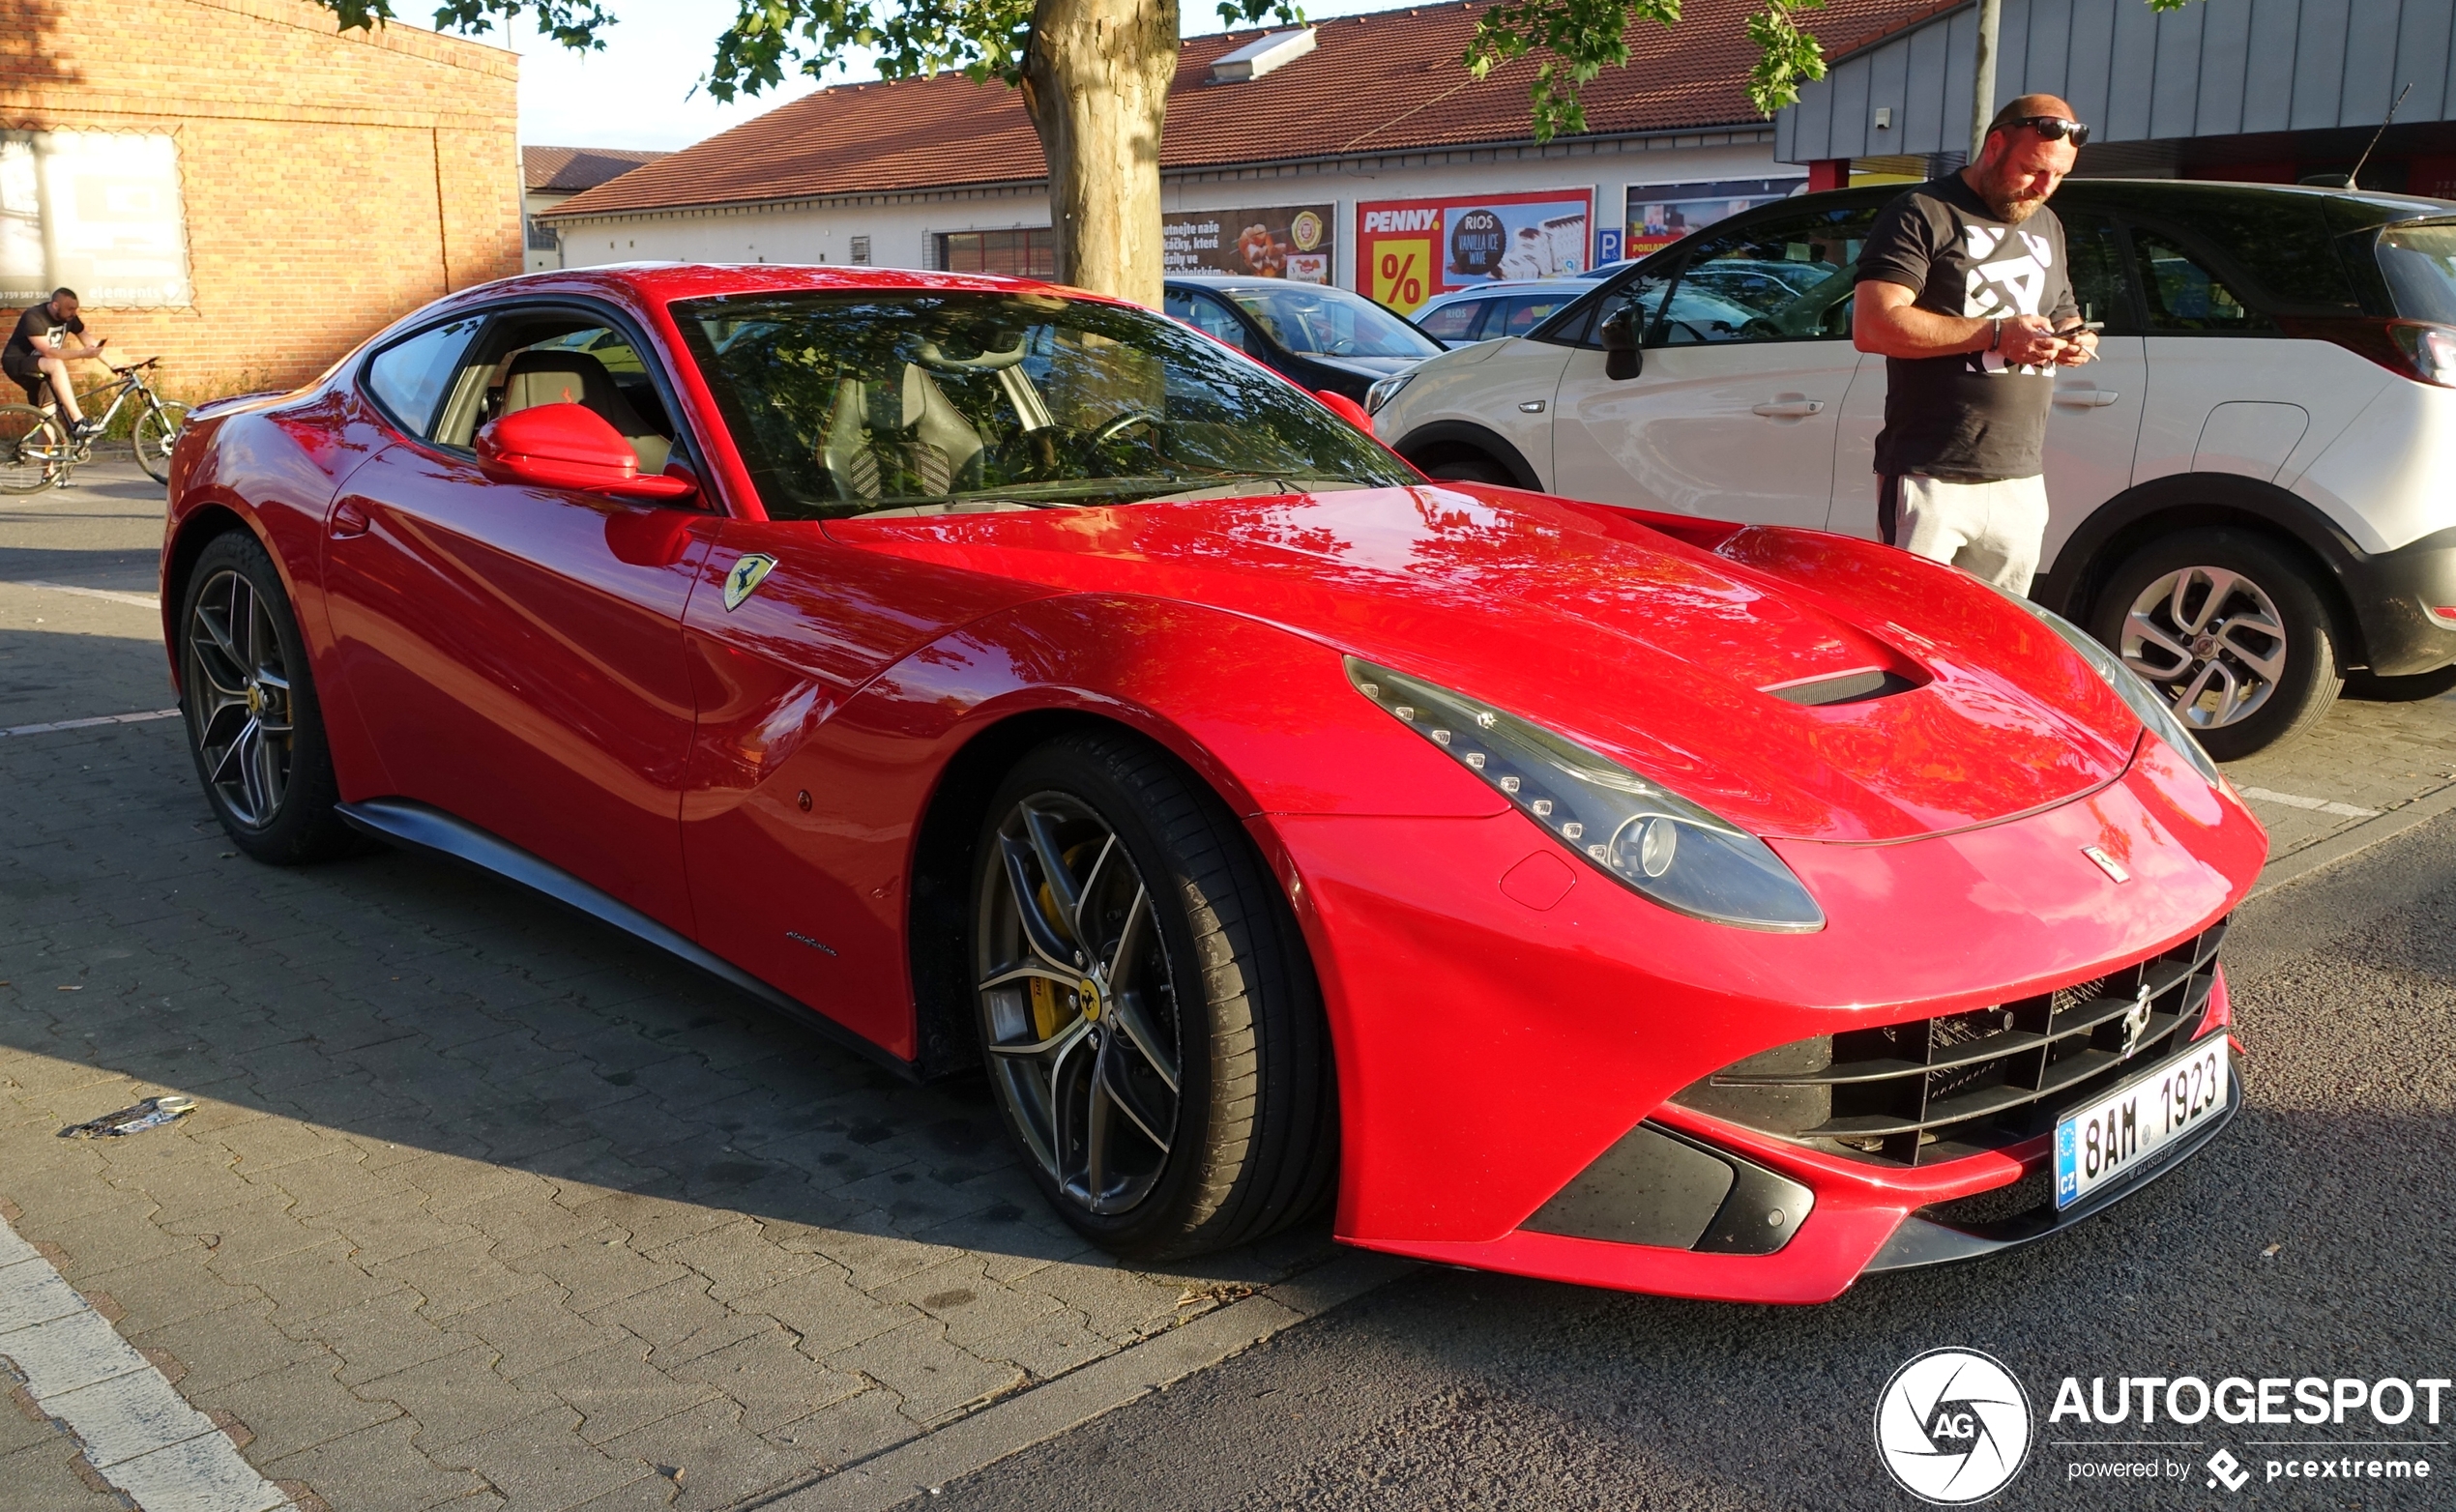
x=1788, y=407
x=348, y=520
x=2087, y=398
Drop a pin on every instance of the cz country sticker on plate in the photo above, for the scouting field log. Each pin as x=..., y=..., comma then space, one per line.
x=2105, y=1143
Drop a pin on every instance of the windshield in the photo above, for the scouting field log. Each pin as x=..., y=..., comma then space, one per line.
x=935, y=402
x=2420, y=263
x=1333, y=322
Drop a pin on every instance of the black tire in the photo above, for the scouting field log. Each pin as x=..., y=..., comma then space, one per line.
x=2371, y=687
x=2269, y=615
x=254, y=725
x=1252, y=1134
x=1466, y=467
x=33, y=449
x=156, y=432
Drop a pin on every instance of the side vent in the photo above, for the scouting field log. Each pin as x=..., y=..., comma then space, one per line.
x=1850, y=687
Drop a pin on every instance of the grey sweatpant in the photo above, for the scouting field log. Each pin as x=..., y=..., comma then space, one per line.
x=1990, y=529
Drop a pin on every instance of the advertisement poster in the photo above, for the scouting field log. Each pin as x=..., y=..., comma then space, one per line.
x=1292, y=242
x=1410, y=250
x=1661, y=213
x=97, y=211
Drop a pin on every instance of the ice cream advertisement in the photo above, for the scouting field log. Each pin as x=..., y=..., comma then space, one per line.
x=1410, y=250
x=1661, y=213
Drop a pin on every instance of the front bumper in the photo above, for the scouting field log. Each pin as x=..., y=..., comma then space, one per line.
x=1494, y=1041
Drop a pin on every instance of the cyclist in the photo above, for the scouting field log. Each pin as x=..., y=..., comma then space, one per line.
x=39, y=350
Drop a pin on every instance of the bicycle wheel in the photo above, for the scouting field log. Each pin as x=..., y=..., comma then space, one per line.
x=156, y=432
x=33, y=449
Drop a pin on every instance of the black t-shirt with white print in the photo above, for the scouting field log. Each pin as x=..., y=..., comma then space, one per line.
x=1967, y=416
x=37, y=329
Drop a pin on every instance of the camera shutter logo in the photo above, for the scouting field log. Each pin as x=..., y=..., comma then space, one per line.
x=1952, y=1427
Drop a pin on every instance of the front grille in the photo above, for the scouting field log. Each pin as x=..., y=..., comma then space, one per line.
x=1938, y=1088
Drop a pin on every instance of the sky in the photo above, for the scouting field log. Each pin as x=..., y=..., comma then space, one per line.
x=642, y=90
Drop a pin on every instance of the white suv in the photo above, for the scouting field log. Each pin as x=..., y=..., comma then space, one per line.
x=2253, y=489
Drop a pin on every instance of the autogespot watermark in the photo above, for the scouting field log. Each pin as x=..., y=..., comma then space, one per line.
x=1953, y=1426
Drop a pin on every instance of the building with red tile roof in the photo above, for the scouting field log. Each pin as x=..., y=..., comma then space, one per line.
x=1375, y=117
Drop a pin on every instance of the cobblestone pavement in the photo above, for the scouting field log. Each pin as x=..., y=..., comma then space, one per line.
x=487, y=1205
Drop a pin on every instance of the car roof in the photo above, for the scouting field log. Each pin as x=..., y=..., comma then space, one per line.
x=661, y=282
x=1231, y=283
x=1512, y=286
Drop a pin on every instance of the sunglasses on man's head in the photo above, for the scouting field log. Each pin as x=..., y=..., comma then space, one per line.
x=2054, y=128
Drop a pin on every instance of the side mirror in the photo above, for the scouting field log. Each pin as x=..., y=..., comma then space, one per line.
x=570, y=445
x=1347, y=409
x=1618, y=333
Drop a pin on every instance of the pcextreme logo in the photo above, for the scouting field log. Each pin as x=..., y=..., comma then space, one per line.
x=1952, y=1427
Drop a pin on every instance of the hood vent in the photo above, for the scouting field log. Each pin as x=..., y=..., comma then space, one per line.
x=1850, y=687
x=1256, y=58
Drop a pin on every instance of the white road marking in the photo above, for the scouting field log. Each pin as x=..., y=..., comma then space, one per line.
x=88, y=724
x=2316, y=805
x=138, y=1432
x=139, y=601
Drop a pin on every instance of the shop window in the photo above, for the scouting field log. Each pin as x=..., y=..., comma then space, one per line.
x=1028, y=254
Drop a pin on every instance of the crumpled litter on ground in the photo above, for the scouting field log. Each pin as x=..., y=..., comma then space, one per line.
x=152, y=1112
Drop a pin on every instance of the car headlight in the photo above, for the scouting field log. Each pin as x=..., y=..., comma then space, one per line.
x=1649, y=839
x=1384, y=391
x=2143, y=700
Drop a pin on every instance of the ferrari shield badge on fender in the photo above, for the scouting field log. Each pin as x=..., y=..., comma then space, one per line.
x=746, y=577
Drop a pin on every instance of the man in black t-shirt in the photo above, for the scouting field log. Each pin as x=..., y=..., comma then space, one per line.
x=1964, y=288
x=39, y=351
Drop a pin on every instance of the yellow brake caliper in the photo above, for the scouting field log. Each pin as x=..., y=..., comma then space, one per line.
x=1051, y=1011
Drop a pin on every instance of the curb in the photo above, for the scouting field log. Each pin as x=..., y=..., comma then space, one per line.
x=2345, y=844
x=918, y=1467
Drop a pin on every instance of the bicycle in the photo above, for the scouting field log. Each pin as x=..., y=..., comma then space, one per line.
x=37, y=451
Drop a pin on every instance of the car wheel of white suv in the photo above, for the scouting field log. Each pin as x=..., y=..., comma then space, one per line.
x=2229, y=628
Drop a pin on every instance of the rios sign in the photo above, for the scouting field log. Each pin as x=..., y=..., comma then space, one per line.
x=1292, y=242
x=1410, y=250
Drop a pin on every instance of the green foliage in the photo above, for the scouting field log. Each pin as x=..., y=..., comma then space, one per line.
x=1585, y=37
x=907, y=39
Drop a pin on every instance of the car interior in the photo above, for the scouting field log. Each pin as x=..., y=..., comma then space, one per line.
x=558, y=357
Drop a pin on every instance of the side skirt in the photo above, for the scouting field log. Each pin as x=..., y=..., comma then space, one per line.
x=419, y=827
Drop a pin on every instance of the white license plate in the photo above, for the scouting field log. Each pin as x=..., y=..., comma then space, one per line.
x=2104, y=1144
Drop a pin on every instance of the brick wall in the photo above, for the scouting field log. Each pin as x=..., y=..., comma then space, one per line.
x=332, y=181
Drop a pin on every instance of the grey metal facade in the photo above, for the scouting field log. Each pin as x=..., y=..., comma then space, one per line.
x=2217, y=68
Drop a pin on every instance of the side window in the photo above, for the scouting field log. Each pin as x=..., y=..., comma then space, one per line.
x=1526, y=311
x=1644, y=290
x=529, y=357
x=2096, y=259
x=1454, y=323
x=2184, y=297
x=1207, y=315
x=408, y=378
x=1787, y=278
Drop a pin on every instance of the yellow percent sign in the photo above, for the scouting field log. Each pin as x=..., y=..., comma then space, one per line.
x=1398, y=272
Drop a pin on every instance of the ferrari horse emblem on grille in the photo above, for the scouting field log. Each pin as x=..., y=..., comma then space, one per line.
x=2136, y=1021
x=746, y=577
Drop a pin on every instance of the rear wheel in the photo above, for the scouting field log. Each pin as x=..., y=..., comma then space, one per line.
x=33, y=449
x=253, y=723
x=156, y=432
x=1151, y=1023
x=2229, y=629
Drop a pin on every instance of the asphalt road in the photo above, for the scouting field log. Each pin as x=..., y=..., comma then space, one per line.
x=2310, y=1241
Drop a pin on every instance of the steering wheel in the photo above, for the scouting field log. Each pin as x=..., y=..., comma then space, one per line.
x=1119, y=424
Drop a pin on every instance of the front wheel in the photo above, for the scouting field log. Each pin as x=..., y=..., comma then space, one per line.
x=1151, y=1023
x=156, y=432
x=254, y=725
x=33, y=449
x=2228, y=628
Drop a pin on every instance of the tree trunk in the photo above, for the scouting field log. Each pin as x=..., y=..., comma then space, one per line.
x=1095, y=83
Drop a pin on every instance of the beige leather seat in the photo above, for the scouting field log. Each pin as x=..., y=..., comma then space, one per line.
x=551, y=377
x=897, y=436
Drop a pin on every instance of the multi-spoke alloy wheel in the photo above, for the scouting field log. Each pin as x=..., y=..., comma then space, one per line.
x=2228, y=628
x=2210, y=639
x=1080, y=1012
x=239, y=698
x=250, y=708
x=1147, y=1014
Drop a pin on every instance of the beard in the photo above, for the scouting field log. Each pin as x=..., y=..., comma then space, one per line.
x=2007, y=201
